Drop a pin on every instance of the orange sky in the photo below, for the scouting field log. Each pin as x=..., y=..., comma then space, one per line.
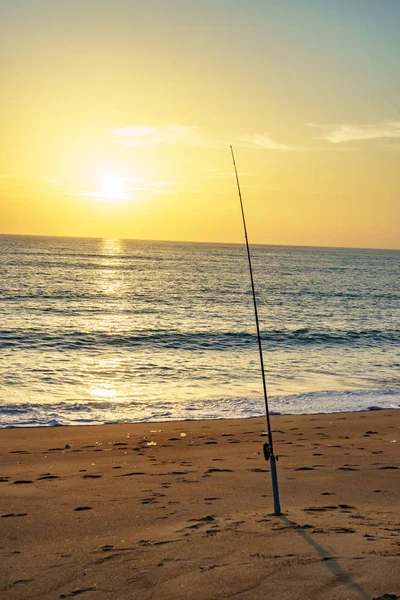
x=117, y=119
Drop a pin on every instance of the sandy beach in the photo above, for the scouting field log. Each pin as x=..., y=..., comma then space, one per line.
x=182, y=510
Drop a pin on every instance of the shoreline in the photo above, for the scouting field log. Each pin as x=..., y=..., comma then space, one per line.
x=63, y=412
x=182, y=509
x=177, y=421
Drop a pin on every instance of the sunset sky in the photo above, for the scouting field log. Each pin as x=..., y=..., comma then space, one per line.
x=117, y=117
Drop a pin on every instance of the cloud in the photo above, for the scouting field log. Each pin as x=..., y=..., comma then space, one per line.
x=145, y=137
x=262, y=141
x=136, y=188
x=140, y=136
x=339, y=133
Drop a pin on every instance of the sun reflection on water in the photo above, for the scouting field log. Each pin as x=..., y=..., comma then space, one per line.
x=110, y=283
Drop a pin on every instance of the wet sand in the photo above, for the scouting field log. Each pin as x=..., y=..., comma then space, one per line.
x=182, y=510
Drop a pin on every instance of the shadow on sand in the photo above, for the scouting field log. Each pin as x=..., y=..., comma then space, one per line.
x=330, y=561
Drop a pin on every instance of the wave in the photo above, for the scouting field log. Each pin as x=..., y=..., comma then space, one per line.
x=27, y=414
x=43, y=340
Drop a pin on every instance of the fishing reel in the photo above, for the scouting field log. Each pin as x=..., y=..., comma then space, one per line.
x=266, y=451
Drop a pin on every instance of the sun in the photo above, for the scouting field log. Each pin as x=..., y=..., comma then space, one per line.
x=113, y=188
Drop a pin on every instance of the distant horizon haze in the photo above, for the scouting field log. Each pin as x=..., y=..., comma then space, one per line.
x=194, y=241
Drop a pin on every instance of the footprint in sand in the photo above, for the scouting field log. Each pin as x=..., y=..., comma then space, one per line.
x=89, y=476
x=80, y=508
x=8, y=515
x=213, y=470
x=320, y=508
x=78, y=592
x=347, y=469
x=203, y=521
x=22, y=481
x=342, y=530
x=212, y=531
x=304, y=469
x=257, y=470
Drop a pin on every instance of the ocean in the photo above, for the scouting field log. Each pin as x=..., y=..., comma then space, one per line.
x=105, y=331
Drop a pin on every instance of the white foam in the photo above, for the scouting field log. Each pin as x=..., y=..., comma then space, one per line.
x=93, y=413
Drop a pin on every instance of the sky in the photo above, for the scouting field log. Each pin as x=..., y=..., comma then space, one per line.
x=117, y=117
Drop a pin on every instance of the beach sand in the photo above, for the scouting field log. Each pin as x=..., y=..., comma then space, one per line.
x=182, y=510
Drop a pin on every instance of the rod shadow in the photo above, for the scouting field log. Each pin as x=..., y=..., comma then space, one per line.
x=330, y=561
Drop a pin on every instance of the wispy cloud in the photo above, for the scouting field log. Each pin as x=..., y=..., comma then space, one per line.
x=138, y=188
x=262, y=141
x=139, y=136
x=339, y=133
x=145, y=137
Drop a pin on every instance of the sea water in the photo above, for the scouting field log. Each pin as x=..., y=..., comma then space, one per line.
x=106, y=330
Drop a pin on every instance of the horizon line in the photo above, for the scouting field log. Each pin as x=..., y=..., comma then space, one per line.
x=88, y=237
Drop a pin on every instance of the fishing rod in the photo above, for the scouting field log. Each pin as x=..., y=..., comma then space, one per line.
x=268, y=448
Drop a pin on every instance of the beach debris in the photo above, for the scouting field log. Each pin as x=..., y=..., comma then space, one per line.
x=151, y=444
x=183, y=434
x=67, y=446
